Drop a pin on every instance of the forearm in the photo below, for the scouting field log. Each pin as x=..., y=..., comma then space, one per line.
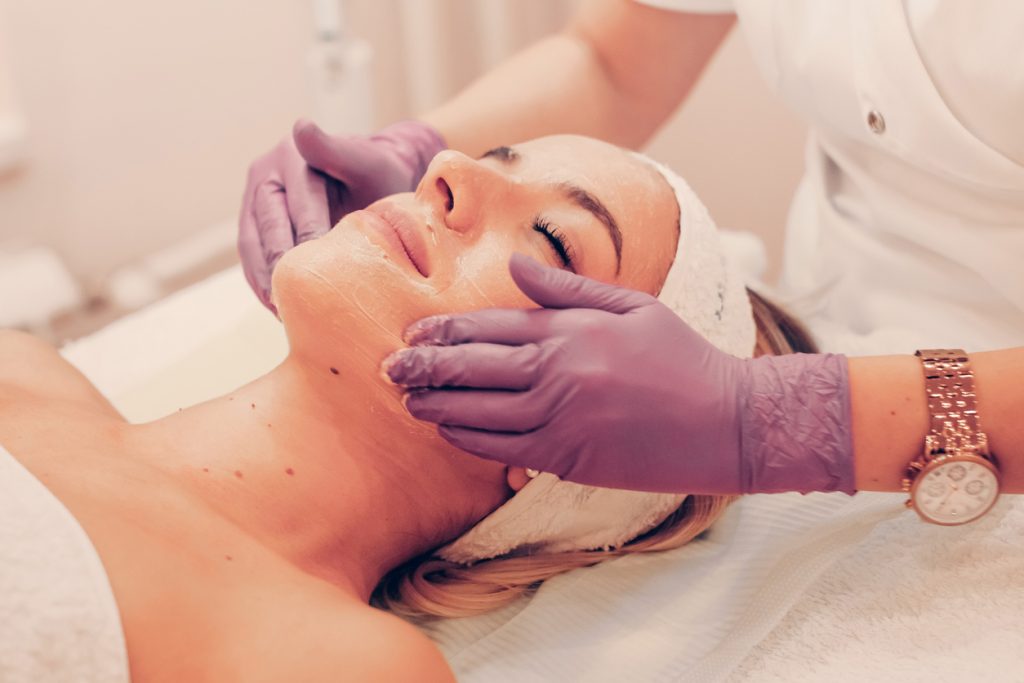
x=554, y=86
x=890, y=415
x=615, y=73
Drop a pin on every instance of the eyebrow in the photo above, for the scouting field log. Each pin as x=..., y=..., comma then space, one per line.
x=577, y=195
x=503, y=153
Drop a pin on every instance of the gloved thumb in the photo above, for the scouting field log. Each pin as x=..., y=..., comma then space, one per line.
x=338, y=157
x=553, y=288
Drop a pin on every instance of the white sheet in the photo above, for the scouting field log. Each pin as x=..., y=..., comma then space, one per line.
x=912, y=602
x=704, y=612
x=194, y=345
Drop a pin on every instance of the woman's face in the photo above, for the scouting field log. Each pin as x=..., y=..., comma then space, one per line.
x=567, y=201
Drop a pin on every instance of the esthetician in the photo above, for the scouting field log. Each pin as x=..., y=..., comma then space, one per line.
x=907, y=232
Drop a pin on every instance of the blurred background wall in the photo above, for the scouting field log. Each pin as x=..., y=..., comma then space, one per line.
x=126, y=127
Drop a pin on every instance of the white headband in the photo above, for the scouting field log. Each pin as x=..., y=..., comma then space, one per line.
x=552, y=516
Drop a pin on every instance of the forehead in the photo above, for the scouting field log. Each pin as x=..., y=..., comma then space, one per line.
x=640, y=200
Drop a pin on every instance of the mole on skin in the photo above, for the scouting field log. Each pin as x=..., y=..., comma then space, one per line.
x=334, y=371
x=290, y=472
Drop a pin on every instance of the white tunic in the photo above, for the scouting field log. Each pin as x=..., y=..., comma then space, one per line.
x=907, y=229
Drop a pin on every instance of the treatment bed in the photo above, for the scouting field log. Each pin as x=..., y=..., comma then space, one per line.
x=822, y=587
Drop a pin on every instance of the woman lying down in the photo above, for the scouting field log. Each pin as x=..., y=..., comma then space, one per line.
x=246, y=538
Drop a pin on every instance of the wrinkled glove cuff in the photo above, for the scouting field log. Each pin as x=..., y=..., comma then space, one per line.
x=796, y=425
x=416, y=142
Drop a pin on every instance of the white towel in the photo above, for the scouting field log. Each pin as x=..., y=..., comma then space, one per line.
x=912, y=602
x=688, y=614
x=58, y=619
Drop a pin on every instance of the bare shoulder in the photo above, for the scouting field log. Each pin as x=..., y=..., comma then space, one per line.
x=312, y=636
x=33, y=368
x=387, y=649
x=401, y=652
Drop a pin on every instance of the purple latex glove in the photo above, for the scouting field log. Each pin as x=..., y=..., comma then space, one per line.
x=607, y=386
x=302, y=187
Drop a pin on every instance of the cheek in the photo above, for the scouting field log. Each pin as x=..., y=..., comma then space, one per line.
x=339, y=289
x=481, y=278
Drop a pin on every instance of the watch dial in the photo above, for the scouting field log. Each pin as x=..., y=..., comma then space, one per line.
x=956, y=492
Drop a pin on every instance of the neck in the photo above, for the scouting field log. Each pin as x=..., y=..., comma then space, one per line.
x=326, y=470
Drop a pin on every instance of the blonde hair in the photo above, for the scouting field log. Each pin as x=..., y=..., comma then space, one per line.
x=428, y=586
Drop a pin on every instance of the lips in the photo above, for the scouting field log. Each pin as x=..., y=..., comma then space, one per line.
x=403, y=232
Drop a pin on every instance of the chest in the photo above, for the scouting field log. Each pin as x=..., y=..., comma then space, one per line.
x=180, y=578
x=199, y=600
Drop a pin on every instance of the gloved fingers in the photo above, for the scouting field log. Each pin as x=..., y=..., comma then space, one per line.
x=306, y=198
x=510, y=326
x=495, y=411
x=554, y=288
x=515, y=450
x=478, y=366
x=250, y=250
x=349, y=159
x=272, y=222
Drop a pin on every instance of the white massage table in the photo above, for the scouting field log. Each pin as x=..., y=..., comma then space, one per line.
x=783, y=588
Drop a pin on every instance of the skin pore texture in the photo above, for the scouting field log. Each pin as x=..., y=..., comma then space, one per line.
x=243, y=536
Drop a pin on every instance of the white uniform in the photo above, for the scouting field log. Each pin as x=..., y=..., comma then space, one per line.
x=907, y=229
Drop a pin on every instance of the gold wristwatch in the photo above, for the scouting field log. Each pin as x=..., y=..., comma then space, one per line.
x=955, y=479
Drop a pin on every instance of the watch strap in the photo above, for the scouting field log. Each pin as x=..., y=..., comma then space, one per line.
x=952, y=403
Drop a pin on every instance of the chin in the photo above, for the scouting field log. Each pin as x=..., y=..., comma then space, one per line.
x=340, y=296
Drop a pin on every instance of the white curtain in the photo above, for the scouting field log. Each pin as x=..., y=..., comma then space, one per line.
x=426, y=50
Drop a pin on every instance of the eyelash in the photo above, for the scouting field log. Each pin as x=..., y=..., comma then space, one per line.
x=558, y=241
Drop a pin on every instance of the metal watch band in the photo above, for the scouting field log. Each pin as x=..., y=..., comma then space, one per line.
x=952, y=402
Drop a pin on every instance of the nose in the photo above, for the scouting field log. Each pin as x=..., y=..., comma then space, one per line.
x=458, y=188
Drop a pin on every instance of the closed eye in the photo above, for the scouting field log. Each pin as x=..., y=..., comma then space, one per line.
x=561, y=246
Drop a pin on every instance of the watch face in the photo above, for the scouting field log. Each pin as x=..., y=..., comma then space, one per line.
x=955, y=489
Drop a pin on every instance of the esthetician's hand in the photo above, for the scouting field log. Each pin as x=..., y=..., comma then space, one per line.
x=607, y=386
x=300, y=189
